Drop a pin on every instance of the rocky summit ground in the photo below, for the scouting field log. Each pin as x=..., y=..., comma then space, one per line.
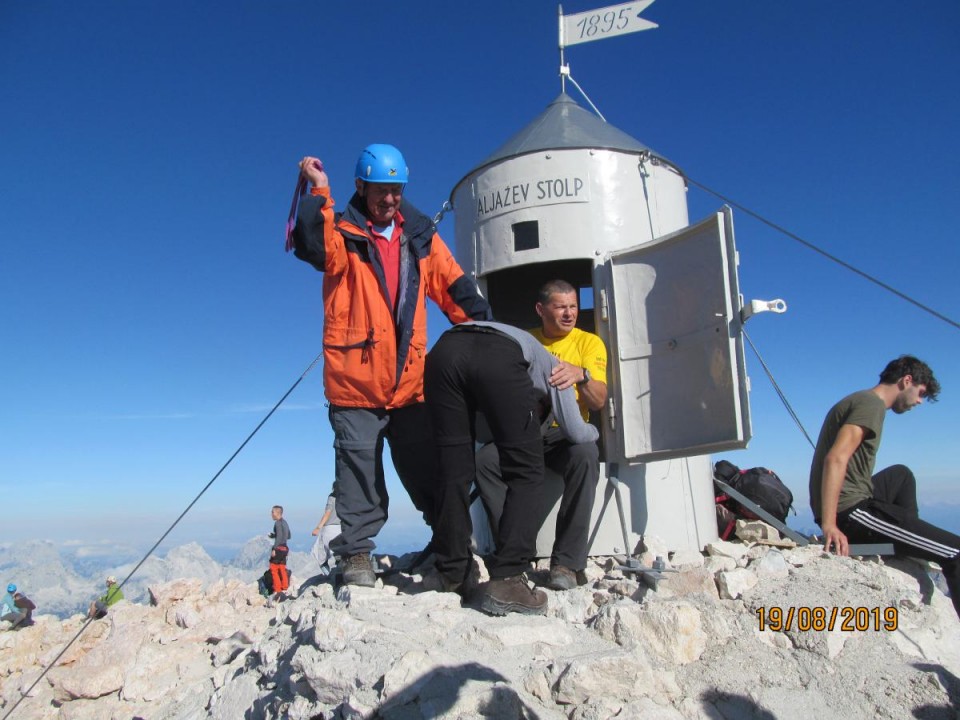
x=613, y=648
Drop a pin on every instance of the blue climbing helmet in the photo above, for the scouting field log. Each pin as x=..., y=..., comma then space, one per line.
x=381, y=163
x=11, y=588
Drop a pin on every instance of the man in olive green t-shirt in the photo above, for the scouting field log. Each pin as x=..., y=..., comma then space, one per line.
x=850, y=502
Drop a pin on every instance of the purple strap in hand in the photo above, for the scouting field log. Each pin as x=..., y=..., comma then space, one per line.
x=298, y=193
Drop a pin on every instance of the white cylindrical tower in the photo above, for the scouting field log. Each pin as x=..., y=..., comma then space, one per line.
x=557, y=200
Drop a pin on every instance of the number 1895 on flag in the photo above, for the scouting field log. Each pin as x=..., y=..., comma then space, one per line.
x=604, y=22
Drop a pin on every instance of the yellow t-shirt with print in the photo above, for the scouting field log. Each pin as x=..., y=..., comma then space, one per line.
x=580, y=348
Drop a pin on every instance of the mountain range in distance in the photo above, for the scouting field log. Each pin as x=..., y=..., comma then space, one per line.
x=62, y=583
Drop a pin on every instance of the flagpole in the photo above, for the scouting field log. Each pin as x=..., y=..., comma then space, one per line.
x=564, y=70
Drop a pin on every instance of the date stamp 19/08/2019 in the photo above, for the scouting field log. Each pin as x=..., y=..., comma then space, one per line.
x=845, y=619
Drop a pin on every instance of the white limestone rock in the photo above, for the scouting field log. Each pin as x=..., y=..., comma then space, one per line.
x=92, y=682
x=719, y=563
x=717, y=623
x=697, y=581
x=331, y=676
x=836, y=639
x=776, y=640
x=733, y=583
x=910, y=600
x=723, y=548
x=175, y=591
x=687, y=559
x=539, y=681
x=800, y=556
x=670, y=631
x=515, y=631
x=573, y=606
x=228, y=649
x=235, y=698
x=619, y=675
x=656, y=546
x=614, y=649
x=648, y=709
x=753, y=530
x=333, y=631
x=594, y=571
x=754, y=552
x=771, y=566
x=185, y=616
x=601, y=708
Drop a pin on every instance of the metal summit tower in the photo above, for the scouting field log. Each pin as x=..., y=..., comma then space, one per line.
x=570, y=196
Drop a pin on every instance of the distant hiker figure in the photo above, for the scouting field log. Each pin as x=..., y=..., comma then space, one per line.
x=113, y=595
x=279, y=551
x=326, y=530
x=16, y=608
x=850, y=502
x=381, y=258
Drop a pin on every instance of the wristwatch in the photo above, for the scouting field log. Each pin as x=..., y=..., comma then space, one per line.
x=586, y=377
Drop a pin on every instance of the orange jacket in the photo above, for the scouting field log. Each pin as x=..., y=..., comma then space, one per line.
x=373, y=357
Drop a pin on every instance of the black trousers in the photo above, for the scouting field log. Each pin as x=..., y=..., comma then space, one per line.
x=471, y=370
x=579, y=466
x=891, y=516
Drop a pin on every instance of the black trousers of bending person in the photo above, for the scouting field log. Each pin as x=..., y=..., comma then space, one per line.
x=470, y=370
x=578, y=464
x=892, y=516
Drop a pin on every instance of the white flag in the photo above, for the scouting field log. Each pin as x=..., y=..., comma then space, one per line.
x=604, y=22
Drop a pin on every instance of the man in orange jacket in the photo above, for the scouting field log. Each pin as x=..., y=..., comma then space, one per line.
x=381, y=259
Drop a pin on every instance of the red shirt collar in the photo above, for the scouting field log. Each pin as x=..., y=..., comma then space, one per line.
x=397, y=219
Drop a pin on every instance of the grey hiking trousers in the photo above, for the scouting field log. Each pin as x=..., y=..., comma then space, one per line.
x=362, y=498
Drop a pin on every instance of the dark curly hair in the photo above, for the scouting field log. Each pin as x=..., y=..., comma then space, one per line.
x=915, y=368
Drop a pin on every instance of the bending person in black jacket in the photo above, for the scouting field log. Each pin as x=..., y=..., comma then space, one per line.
x=503, y=373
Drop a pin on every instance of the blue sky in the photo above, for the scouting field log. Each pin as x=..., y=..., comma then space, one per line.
x=149, y=317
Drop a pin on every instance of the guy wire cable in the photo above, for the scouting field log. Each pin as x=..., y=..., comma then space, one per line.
x=827, y=255
x=783, y=398
x=169, y=530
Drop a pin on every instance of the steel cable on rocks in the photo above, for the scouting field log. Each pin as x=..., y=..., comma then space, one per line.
x=150, y=552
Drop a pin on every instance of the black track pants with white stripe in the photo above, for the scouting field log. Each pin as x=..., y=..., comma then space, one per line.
x=891, y=516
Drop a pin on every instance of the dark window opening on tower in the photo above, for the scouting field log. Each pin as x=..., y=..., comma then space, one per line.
x=512, y=292
x=526, y=235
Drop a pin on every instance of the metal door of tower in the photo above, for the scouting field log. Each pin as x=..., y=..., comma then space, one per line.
x=677, y=349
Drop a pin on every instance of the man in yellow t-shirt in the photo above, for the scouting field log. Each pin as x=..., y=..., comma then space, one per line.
x=583, y=366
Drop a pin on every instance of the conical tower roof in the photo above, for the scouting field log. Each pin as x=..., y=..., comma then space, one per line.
x=565, y=125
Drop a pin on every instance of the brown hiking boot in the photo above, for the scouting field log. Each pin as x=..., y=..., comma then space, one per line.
x=358, y=570
x=562, y=578
x=512, y=594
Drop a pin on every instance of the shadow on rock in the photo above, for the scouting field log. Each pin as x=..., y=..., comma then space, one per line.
x=728, y=706
x=950, y=683
x=468, y=690
x=315, y=581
